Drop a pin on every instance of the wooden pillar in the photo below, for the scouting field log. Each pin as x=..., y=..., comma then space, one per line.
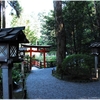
x=22, y=67
x=96, y=66
x=10, y=81
x=30, y=57
x=22, y=70
x=44, y=58
x=7, y=81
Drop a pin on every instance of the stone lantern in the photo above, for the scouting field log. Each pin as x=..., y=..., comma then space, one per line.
x=22, y=52
x=21, y=55
x=9, y=46
x=95, y=51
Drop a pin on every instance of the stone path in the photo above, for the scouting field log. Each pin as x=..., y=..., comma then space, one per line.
x=41, y=84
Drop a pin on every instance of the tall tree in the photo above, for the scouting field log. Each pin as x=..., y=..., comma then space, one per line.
x=97, y=11
x=2, y=14
x=60, y=34
x=14, y=4
x=47, y=30
x=31, y=30
x=79, y=21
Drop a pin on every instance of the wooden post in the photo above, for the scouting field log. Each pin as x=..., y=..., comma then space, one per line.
x=10, y=81
x=22, y=70
x=27, y=63
x=96, y=66
x=44, y=58
x=22, y=67
x=7, y=81
x=30, y=57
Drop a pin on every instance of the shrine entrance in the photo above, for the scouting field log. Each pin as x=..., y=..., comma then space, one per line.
x=40, y=49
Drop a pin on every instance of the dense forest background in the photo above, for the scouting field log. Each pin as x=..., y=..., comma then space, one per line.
x=81, y=23
x=70, y=28
x=82, y=26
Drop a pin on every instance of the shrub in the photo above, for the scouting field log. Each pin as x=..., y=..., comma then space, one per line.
x=16, y=71
x=78, y=65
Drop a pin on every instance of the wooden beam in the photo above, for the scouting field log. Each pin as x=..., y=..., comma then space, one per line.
x=37, y=51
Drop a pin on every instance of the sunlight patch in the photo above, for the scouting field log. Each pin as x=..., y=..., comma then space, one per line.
x=35, y=68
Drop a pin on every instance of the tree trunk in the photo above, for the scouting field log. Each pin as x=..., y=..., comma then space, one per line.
x=60, y=35
x=0, y=14
x=91, y=23
x=3, y=15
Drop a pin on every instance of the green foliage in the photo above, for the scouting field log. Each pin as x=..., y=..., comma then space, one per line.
x=14, y=21
x=78, y=65
x=29, y=32
x=16, y=6
x=78, y=25
x=48, y=58
x=15, y=76
x=81, y=20
x=48, y=36
x=16, y=71
x=52, y=58
x=30, y=35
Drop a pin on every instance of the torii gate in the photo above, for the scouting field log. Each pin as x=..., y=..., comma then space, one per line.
x=39, y=48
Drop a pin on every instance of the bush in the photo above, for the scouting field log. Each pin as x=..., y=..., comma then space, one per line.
x=16, y=71
x=78, y=66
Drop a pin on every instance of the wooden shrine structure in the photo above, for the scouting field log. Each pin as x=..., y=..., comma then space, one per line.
x=39, y=48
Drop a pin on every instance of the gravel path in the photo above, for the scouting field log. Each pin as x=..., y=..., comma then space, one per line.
x=41, y=84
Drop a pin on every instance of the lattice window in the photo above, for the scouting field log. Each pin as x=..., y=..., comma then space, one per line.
x=13, y=51
x=3, y=51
